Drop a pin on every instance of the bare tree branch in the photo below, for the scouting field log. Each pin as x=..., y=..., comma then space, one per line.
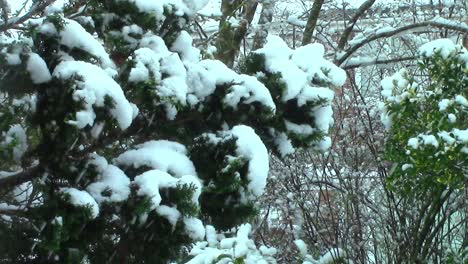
x=347, y=32
x=352, y=65
x=463, y=28
x=36, y=8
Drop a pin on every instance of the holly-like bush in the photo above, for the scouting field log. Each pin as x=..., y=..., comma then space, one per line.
x=426, y=113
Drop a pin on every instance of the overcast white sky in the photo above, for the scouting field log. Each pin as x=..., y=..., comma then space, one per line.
x=16, y=4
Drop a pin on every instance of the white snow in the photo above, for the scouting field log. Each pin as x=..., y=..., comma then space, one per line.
x=111, y=179
x=163, y=155
x=228, y=249
x=250, y=146
x=246, y=87
x=13, y=59
x=170, y=213
x=452, y=118
x=313, y=94
x=461, y=100
x=92, y=89
x=284, y=144
x=299, y=67
x=146, y=62
x=178, y=7
x=442, y=46
x=37, y=69
x=73, y=35
x=413, y=142
x=461, y=135
x=301, y=246
x=184, y=46
x=251, y=90
x=443, y=104
x=194, y=228
x=429, y=140
x=294, y=20
x=406, y=167
x=393, y=85
x=150, y=182
x=81, y=199
x=18, y=133
x=445, y=136
x=299, y=129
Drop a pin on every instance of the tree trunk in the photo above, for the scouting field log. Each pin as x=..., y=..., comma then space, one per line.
x=312, y=22
x=230, y=38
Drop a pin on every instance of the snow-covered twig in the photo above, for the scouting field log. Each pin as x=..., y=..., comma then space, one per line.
x=436, y=22
x=20, y=177
x=35, y=9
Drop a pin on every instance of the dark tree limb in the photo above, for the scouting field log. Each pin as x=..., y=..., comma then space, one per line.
x=230, y=38
x=20, y=177
x=35, y=9
x=347, y=32
x=312, y=22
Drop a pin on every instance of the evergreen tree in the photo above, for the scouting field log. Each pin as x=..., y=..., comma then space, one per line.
x=120, y=141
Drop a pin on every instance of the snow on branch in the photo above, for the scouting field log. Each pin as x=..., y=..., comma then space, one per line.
x=15, y=179
x=389, y=32
x=347, y=32
x=36, y=8
x=357, y=62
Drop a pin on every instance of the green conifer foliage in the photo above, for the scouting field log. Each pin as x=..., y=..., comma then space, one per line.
x=128, y=145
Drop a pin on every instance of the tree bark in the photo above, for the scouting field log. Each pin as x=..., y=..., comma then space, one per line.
x=230, y=38
x=266, y=16
x=312, y=22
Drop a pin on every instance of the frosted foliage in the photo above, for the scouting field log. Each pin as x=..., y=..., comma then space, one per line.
x=82, y=199
x=446, y=138
x=110, y=179
x=189, y=81
x=246, y=87
x=170, y=213
x=442, y=46
x=178, y=7
x=445, y=48
x=184, y=46
x=225, y=250
x=299, y=67
x=146, y=62
x=16, y=134
x=149, y=183
x=162, y=155
x=194, y=228
x=330, y=257
x=251, y=146
x=92, y=87
x=73, y=35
